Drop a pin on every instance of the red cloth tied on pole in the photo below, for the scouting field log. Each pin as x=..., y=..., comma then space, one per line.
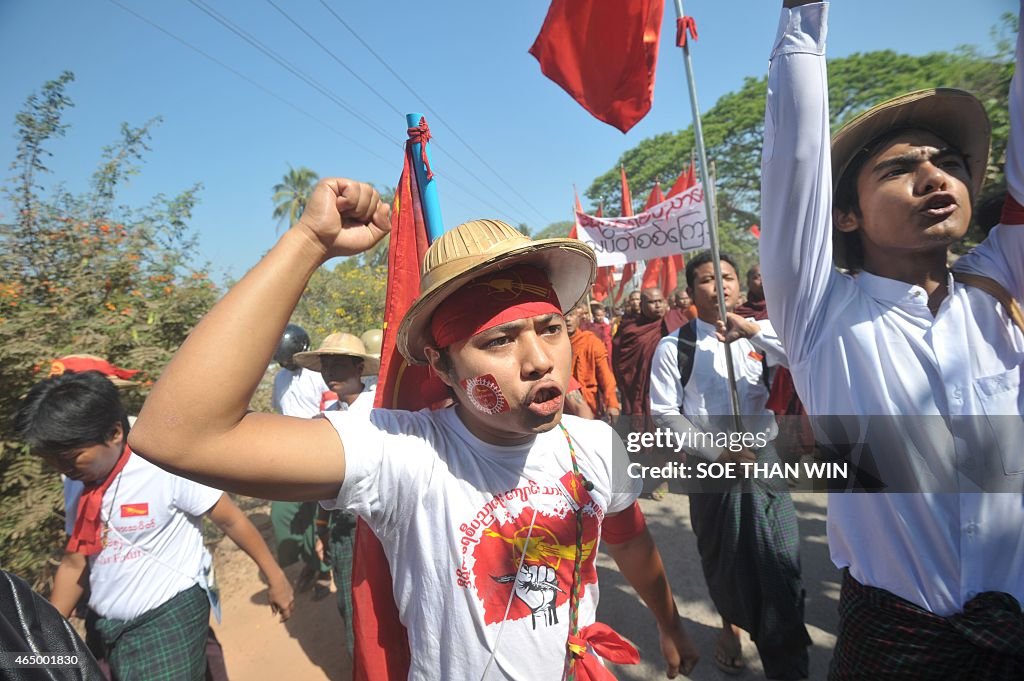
x=685, y=25
x=605, y=642
x=381, y=643
x=421, y=135
x=603, y=54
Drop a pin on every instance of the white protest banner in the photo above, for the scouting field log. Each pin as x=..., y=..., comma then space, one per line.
x=673, y=226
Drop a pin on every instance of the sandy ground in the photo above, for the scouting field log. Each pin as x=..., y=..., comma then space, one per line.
x=311, y=647
x=308, y=647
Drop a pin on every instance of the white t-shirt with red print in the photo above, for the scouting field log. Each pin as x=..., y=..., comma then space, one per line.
x=152, y=539
x=453, y=514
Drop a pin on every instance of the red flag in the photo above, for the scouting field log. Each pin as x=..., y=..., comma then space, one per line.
x=627, y=196
x=603, y=278
x=663, y=273
x=573, y=233
x=381, y=643
x=653, y=199
x=756, y=231
x=602, y=284
x=686, y=179
x=603, y=54
x=652, y=274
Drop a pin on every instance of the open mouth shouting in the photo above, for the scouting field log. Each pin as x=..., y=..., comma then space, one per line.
x=940, y=206
x=545, y=399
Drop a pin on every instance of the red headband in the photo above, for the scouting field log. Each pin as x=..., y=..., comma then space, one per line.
x=59, y=366
x=496, y=298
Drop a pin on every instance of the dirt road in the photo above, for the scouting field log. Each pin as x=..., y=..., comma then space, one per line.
x=310, y=647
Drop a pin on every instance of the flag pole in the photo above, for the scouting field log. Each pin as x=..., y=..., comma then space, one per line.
x=710, y=211
x=429, y=199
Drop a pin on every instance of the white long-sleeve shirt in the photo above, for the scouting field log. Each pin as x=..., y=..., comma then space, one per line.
x=705, y=400
x=868, y=345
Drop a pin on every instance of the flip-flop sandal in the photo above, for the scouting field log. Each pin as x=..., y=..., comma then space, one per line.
x=660, y=492
x=729, y=662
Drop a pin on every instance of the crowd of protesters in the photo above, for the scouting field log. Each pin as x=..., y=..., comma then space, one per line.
x=491, y=509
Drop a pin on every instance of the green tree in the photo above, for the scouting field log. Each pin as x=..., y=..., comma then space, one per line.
x=81, y=274
x=734, y=127
x=348, y=297
x=290, y=195
x=555, y=230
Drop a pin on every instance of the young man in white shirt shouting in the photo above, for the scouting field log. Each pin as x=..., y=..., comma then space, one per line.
x=490, y=512
x=933, y=576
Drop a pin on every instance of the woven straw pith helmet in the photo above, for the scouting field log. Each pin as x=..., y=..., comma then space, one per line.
x=482, y=246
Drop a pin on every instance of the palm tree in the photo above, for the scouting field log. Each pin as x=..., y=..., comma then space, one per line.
x=290, y=195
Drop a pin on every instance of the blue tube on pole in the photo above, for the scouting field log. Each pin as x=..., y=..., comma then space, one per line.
x=429, y=199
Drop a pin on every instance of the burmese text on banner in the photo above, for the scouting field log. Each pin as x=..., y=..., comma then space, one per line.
x=675, y=225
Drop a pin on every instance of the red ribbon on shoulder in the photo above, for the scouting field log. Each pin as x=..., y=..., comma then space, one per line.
x=87, y=537
x=606, y=643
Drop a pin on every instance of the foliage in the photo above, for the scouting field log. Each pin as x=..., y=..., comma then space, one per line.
x=349, y=297
x=555, y=230
x=734, y=127
x=81, y=274
x=290, y=195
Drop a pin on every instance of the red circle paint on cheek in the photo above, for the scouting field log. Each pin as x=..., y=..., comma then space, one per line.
x=485, y=394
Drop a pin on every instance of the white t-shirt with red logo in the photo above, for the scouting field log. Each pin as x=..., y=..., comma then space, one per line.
x=153, y=541
x=454, y=516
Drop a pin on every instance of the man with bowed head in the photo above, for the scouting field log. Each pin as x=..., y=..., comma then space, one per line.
x=491, y=512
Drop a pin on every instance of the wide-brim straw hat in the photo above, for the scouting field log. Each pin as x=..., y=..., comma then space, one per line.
x=955, y=116
x=339, y=344
x=477, y=248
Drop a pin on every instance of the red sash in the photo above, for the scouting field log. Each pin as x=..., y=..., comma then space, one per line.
x=87, y=537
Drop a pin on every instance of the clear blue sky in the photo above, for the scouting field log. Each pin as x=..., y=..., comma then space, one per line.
x=468, y=60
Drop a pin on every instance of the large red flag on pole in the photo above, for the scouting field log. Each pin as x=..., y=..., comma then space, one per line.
x=603, y=53
x=381, y=644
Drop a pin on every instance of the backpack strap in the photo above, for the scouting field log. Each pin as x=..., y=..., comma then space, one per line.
x=996, y=290
x=687, y=351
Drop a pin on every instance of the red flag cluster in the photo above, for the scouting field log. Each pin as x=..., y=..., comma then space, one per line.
x=662, y=273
